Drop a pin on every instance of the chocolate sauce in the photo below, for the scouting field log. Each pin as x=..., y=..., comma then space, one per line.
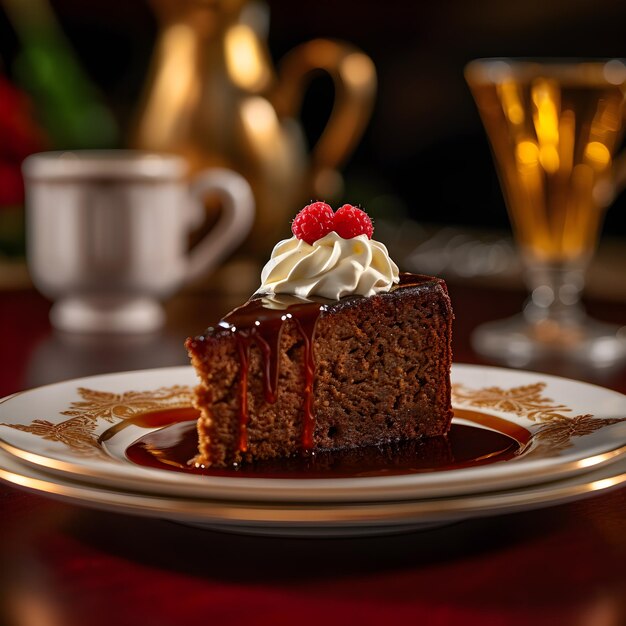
x=173, y=447
x=256, y=322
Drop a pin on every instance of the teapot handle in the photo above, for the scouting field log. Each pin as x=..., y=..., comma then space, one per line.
x=354, y=76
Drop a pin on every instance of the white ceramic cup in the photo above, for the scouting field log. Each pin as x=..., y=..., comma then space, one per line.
x=107, y=233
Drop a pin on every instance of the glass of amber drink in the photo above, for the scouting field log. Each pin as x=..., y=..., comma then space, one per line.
x=554, y=128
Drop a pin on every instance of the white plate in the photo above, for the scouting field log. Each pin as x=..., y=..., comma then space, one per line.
x=315, y=519
x=575, y=427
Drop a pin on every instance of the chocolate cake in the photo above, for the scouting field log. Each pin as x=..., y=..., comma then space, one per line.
x=284, y=375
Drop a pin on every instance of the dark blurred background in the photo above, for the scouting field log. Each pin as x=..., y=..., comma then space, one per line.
x=424, y=154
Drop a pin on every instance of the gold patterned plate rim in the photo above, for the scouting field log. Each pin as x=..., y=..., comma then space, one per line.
x=315, y=519
x=575, y=427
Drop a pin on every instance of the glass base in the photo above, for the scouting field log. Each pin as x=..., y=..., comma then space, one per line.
x=517, y=342
x=107, y=314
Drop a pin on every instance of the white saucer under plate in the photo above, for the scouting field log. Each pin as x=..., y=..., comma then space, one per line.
x=314, y=519
x=574, y=427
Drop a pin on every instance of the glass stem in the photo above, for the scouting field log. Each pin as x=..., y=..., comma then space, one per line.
x=555, y=292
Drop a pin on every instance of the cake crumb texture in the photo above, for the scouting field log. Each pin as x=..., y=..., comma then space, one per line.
x=381, y=374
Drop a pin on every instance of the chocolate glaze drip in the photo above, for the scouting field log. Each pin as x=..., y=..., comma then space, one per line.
x=243, y=345
x=256, y=322
x=261, y=322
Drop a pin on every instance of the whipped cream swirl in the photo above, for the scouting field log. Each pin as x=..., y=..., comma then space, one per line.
x=331, y=268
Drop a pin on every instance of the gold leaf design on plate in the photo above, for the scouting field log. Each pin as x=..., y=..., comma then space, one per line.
x=78, y=432
x=109, y=406
x=525, y=401
x=556, y=431
x=557, y=434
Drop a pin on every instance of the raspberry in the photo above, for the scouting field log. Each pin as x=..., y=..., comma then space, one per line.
x=313, y=222
x=351, y=222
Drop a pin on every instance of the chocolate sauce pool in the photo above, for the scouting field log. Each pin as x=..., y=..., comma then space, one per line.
x=174, y=446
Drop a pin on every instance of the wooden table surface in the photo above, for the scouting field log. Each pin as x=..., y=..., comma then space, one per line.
x=68, y=565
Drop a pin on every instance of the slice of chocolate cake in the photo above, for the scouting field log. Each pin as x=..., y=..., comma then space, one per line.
x=293, y=372
x=357, y=372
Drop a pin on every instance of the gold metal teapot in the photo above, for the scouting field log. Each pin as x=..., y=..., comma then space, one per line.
x=214, y=97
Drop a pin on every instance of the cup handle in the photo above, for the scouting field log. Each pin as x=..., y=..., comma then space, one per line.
x=354, y=76
x=234, y=223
